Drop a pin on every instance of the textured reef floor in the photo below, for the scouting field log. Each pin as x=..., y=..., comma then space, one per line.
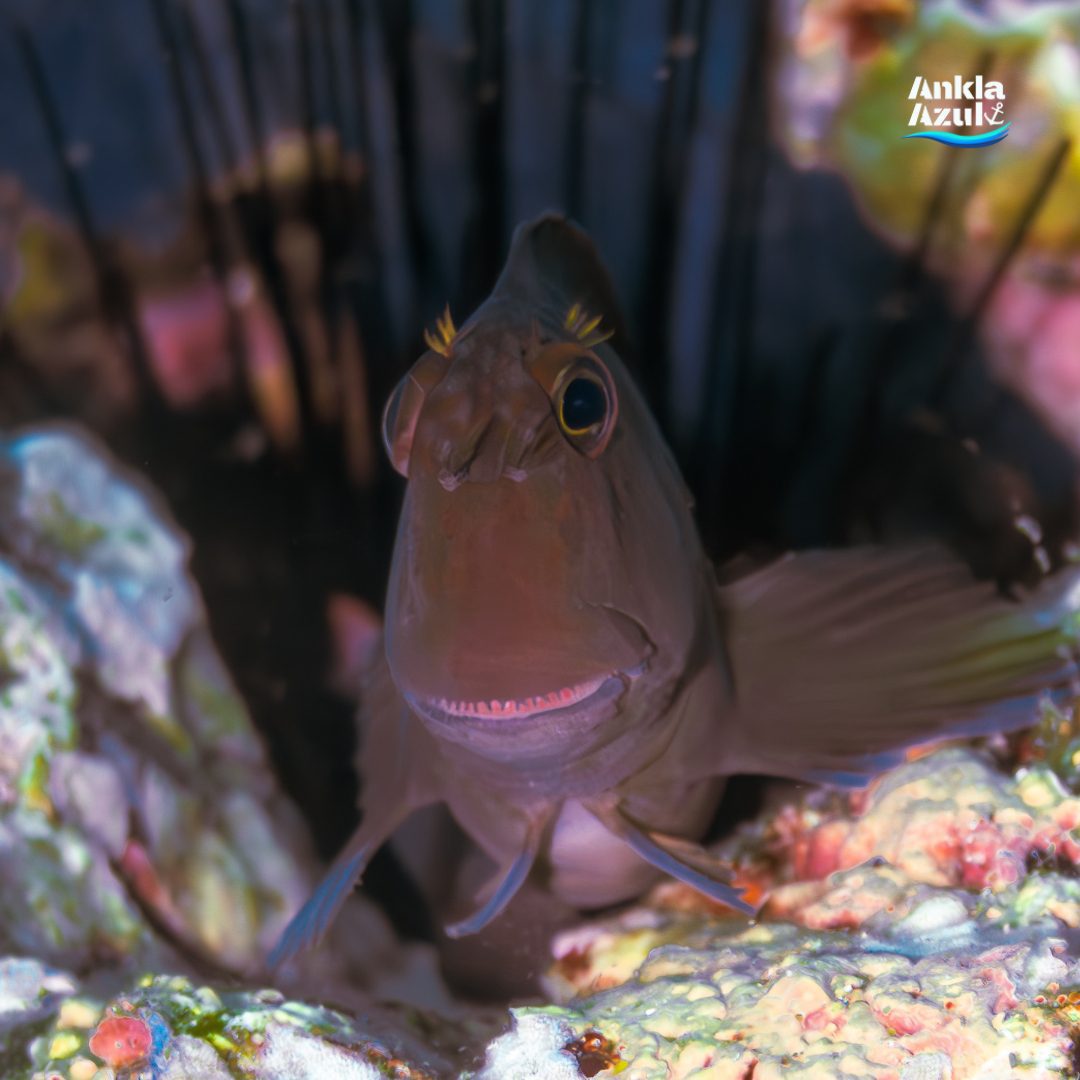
x=923, y=929
x=927, y=928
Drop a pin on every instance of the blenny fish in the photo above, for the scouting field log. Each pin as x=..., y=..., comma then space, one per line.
x=560, y=666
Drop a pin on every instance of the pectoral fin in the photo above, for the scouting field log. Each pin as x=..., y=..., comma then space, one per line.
x=842, y=659
x=690, y=863
x=502, y=888
x=399, y=772
x=309, y=925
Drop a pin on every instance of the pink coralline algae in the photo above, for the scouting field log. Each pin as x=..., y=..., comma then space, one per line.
x=121, y=1041
x=950, y=820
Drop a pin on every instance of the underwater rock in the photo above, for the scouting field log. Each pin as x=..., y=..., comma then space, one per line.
x=29, y=990
x=925, y=927
x=1030, y=333
x=949, y=820
x=534, y=1050
x=170, y=1028
x=140, y=824
x=141, y=829
x=708, y=997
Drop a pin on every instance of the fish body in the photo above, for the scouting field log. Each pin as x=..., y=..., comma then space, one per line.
x=561, y=667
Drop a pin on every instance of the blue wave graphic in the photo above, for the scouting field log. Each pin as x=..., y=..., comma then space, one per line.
x=950, y=138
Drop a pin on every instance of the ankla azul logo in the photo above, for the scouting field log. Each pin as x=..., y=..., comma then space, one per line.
x=958, y=112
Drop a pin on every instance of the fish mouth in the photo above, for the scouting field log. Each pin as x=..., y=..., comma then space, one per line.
x=564, y=703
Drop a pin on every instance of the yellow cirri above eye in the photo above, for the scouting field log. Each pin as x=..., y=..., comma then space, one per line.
x=586, y=328
x=445, y=332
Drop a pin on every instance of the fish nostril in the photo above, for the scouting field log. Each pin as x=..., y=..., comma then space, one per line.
x=455, y=471
x=453, y=479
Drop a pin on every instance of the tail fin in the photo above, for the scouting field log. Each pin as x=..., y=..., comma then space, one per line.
x=842, y=659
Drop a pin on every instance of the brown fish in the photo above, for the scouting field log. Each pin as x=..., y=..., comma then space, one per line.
x=561, y=668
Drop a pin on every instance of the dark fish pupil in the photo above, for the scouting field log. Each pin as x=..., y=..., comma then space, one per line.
x=584, y=404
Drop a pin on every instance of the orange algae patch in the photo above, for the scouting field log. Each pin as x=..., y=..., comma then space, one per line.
x=574, y=963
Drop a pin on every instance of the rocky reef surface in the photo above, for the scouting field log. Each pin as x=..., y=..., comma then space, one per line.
x=924, y=928
x=137, y=812
x=171, y=1028
x=927, y=928
x=141, y=829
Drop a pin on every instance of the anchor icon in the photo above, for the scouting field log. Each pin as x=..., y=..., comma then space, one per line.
x=993, y=118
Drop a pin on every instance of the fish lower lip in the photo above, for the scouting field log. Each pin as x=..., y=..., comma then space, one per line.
x=522, y=708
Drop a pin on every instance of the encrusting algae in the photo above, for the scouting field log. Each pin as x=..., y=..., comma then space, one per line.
x=912, y=930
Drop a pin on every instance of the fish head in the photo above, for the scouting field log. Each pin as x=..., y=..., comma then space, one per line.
x=546, y=574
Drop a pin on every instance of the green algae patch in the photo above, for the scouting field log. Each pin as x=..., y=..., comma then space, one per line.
x=1053, y=745
x=219, y=708
x=68, y=532
x=33, y=786
x=172, y=732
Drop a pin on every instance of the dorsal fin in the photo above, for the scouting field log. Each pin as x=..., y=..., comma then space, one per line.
x=553, y=265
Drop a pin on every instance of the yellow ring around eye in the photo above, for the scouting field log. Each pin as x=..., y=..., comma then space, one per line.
x=576, y=432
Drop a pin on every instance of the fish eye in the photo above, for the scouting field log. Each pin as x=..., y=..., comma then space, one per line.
x=584, y=400
x=583, y=405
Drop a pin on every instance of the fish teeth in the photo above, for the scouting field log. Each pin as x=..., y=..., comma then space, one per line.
x=554, y=699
